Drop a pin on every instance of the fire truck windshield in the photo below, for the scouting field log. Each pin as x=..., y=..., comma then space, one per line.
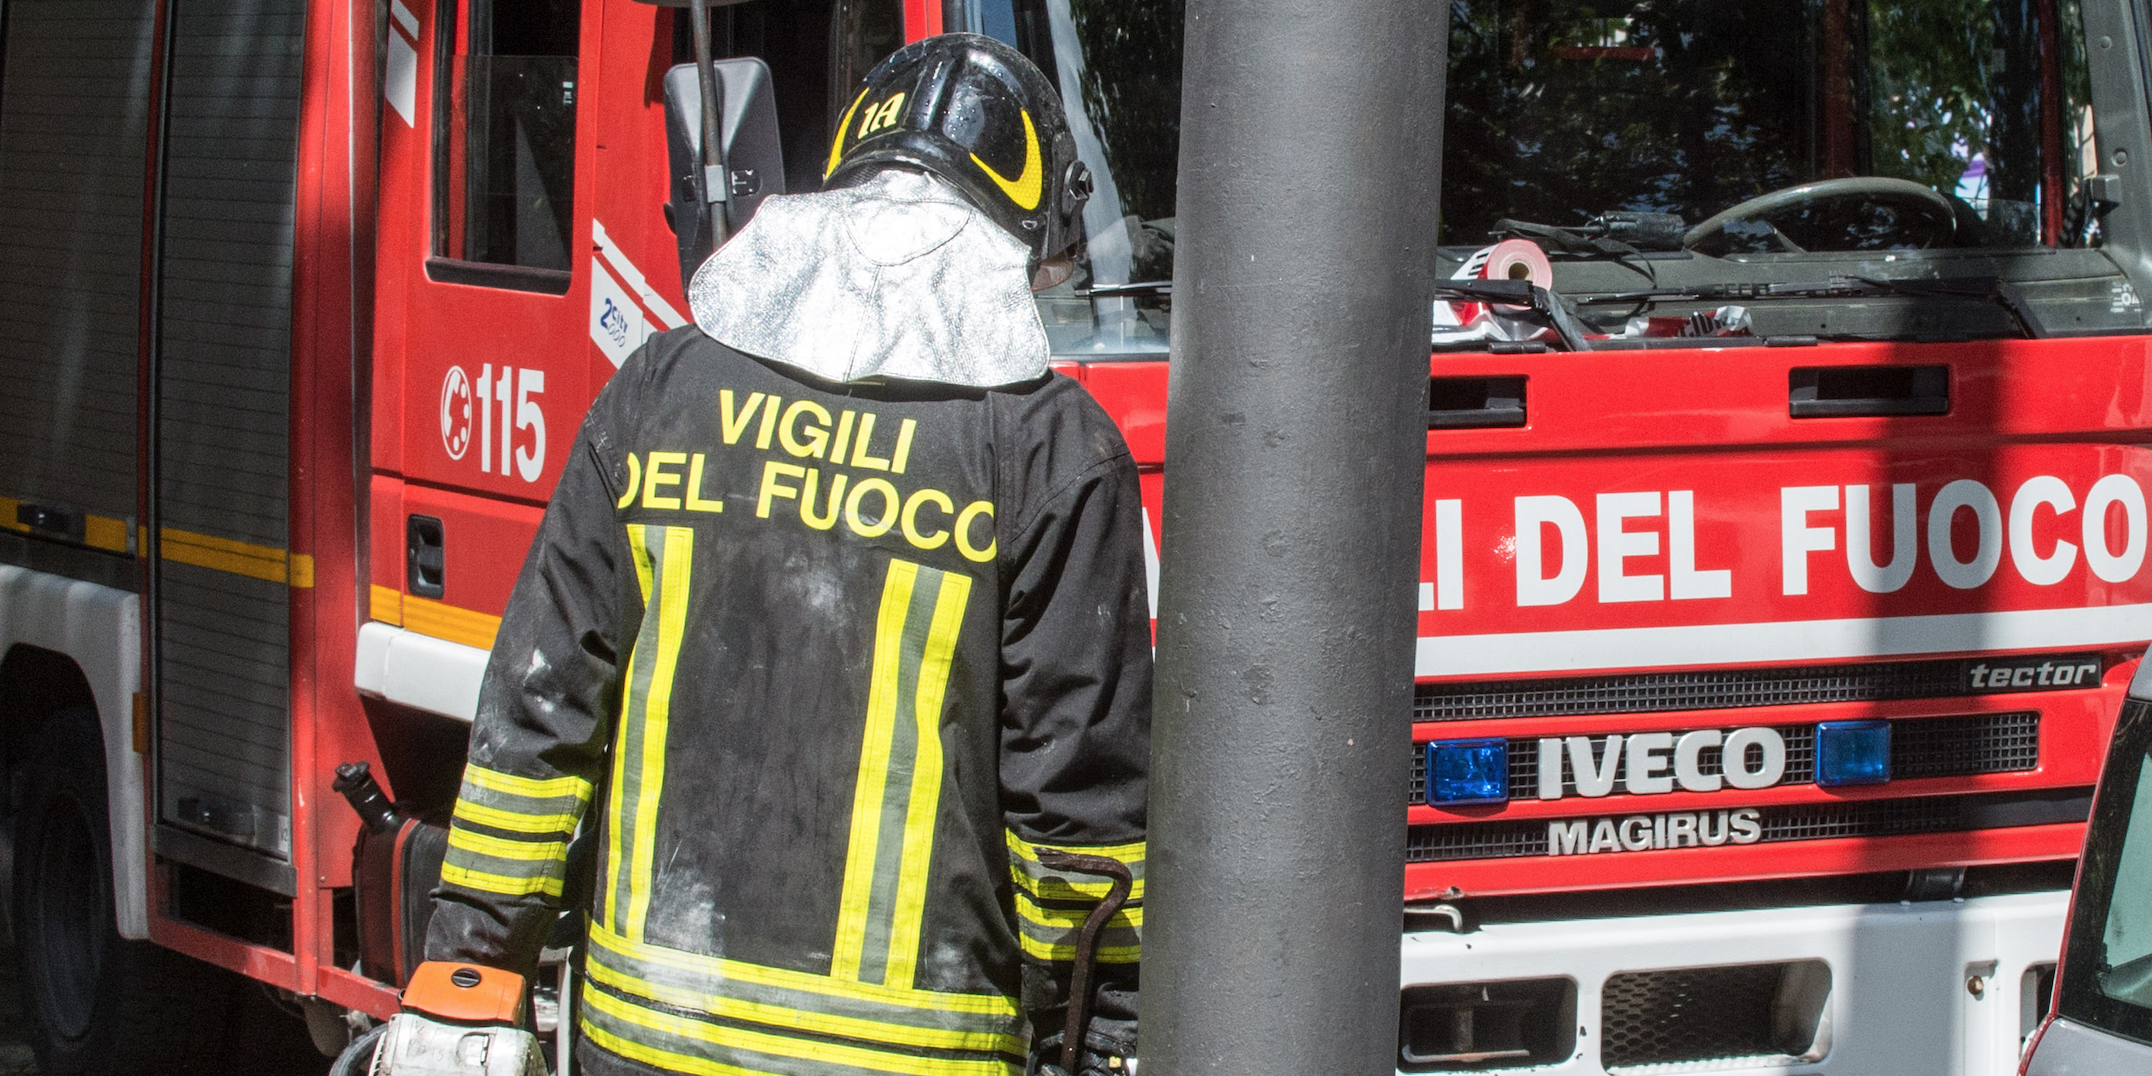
x=1785, y=142
x=1560, y=111
x=1782, y=141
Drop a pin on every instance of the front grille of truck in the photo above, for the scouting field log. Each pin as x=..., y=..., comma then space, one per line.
x=1723, y=689
x=1960, y=746
x=1509, y=838
x=1758, y=1013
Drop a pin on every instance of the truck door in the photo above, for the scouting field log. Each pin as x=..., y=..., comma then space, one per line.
x=524, y=253
x=484, y=276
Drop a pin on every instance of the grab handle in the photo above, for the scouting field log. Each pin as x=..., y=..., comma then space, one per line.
x=1849, y=391
x=1455, y=403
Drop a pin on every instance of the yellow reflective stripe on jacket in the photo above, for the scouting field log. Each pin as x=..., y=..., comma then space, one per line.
x=1106, y=954
x=503, y=848
x=527, y=787
x=509, y=834
x=780, y=1016
x=495, y=818
x=657, y=718
x=662, y=1060
x=897, y=797
x=926, y=778
x=694, y=1064
x=1049, y=933
x=650, y=1033
x=1057, y=917
x=1051, y=905
x=1038, y=880
x=938, y=1009
x=505, y=801
x=664, y=563
x=507, y=885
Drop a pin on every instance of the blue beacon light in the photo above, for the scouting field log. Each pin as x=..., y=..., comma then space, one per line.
x=1461, y=772
x=1852, y=753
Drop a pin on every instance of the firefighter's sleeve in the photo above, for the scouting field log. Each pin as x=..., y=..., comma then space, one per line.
x=1076, y=653
x=545, y=713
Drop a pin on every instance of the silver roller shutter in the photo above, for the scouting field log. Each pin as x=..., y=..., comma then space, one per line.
x=223, y=424
x=73, y=117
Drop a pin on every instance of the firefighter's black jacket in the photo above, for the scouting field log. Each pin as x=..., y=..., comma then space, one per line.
x=822, y=666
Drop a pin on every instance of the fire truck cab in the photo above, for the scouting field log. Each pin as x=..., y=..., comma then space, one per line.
x=1781, y=575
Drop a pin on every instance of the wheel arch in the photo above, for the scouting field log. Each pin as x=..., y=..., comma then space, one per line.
x=67, y=643
x=35, y=684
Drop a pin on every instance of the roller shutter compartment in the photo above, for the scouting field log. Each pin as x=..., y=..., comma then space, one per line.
x=223, y=436
x=73, y=116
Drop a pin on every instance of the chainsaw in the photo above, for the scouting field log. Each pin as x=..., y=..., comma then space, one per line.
x=457, y=1020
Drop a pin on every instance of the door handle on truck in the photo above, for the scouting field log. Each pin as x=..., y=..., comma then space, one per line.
x=1845, y=391
x=1455, y=403
x=425, y=556
x=52, y=521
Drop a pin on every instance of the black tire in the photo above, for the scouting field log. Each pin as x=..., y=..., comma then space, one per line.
x=99, y=1005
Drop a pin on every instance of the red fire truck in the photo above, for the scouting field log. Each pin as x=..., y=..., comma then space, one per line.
x=1776, y=598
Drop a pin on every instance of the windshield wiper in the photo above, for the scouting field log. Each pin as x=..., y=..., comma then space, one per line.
x=2002, y=293
x=1618, y=234
x=1551, y=308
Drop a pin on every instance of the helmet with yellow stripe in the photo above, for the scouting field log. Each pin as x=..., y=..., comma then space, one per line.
x=981, y=116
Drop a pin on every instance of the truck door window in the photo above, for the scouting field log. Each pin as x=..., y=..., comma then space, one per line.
x=504, y=143
x=1118, y=66
x=2107, y=958
x=818, y=52
x=2126, y=937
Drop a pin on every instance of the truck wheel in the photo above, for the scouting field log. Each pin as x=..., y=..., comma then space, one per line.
x=98, y=1003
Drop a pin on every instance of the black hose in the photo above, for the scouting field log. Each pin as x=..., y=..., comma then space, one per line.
x=358, y=1058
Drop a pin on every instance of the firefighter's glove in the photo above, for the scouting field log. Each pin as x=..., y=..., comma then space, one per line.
x=1046, y=1061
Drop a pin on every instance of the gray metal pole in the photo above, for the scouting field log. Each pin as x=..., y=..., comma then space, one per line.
x=1310, y=150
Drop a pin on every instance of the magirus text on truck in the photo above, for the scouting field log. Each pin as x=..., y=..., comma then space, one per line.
x=1785, y=526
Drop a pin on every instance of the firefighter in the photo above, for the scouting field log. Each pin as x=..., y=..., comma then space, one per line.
x=834, y=631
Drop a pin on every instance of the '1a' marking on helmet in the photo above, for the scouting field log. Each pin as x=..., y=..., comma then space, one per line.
x=880, y=116
x=1028, y=186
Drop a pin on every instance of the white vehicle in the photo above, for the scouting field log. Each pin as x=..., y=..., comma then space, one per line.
x=2102, y=1020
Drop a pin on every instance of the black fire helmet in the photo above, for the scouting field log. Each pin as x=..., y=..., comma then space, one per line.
x=981, y=116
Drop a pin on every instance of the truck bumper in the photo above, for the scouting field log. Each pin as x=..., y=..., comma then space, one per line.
x=1899, y=996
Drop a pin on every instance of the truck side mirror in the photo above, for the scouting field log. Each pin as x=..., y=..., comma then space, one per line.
x=753, y=155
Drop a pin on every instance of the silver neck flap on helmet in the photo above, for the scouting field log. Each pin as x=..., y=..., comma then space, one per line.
x=897, y=278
